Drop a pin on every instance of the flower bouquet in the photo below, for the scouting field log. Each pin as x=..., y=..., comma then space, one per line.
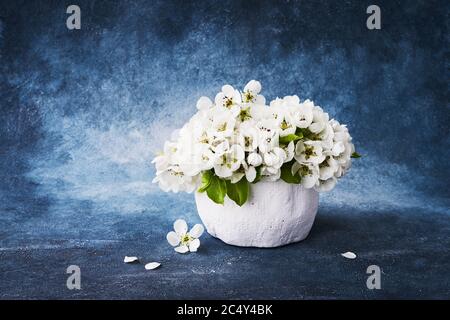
x=256, y=169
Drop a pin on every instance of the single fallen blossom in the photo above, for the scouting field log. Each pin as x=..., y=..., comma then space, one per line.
x=349, y=255
x=152, y=265
x=130, y=259
x=182, y=240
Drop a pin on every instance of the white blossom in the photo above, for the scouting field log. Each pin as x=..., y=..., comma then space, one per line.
x=182, y=240
x=237, y=136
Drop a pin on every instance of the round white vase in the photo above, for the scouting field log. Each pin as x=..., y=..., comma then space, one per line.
x=276, y=214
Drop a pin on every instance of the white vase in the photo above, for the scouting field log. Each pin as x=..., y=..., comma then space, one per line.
x=276, y=213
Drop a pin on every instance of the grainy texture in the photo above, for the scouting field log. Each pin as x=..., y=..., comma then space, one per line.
x=276, y=213
x=81, y=113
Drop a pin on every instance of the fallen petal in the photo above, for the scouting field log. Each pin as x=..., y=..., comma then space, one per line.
x=349, y=255
x=130, y=259
x=182, y=249
x=152, y=265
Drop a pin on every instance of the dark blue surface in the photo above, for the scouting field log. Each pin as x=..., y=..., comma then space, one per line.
x=82, y=113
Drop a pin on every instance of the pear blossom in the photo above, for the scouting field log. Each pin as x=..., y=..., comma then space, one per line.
x=204, y=103
x=248, y=138
x=289, y=150
x=229, y=161
x=286, y=123
x=223, y=125
x=182, y=240
x=238, y=136
x=303, y=114
x=325, y=185
x=309, y=173
x=320, y=119
x=328, y=168
x=173, y=179
x=309, y=152
x=251, y=93
x=254, y=159
x=200, y=158
x=229, y=98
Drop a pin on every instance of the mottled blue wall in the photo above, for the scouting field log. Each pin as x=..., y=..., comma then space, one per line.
x=83, y=111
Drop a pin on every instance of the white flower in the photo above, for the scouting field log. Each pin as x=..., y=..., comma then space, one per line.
x=340, y=131
x=328, y=168
x=326, y=136
x=182, y=240
x=344, y=157
x=319, y=121
x=254, y=159
x=220, y=146
x=200, y=158
x=275, y=158
x=248, y=138
x=222, y=125
x=238, y=136
x=230, y=99
x=173, y=179
x=229, y=161
x=290, y=151
x=303, y=114
x=338, y=148
x=251, y=93
x=270, y=173
x=268, y=135
x=309, y=152
x=325, y=185
x=286, y=123
x=204, y=103
x=309, y=173
x=164, y=160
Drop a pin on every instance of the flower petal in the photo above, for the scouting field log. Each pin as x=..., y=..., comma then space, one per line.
x=152, y=265
x=196, y=231
x=193, y=246
x=180, y=227
x=250, y=174
x=128, y=259
x=173, y=238
x=182, y=249
x=228, y=90
x=348, y=255
x=204, y=103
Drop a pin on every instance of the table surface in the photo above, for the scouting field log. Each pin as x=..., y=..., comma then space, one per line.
x=42, y=236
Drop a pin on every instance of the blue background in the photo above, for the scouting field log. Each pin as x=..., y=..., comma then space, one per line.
x=83, y=111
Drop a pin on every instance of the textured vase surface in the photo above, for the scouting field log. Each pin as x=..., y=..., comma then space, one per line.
x=276, y=214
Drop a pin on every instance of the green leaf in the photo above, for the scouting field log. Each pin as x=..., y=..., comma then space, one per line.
x=291, y=137
x=238, y=192
x=286, y=173
x=258, y=174
x=217, y=189
x=355, y=155
x=206, y=180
